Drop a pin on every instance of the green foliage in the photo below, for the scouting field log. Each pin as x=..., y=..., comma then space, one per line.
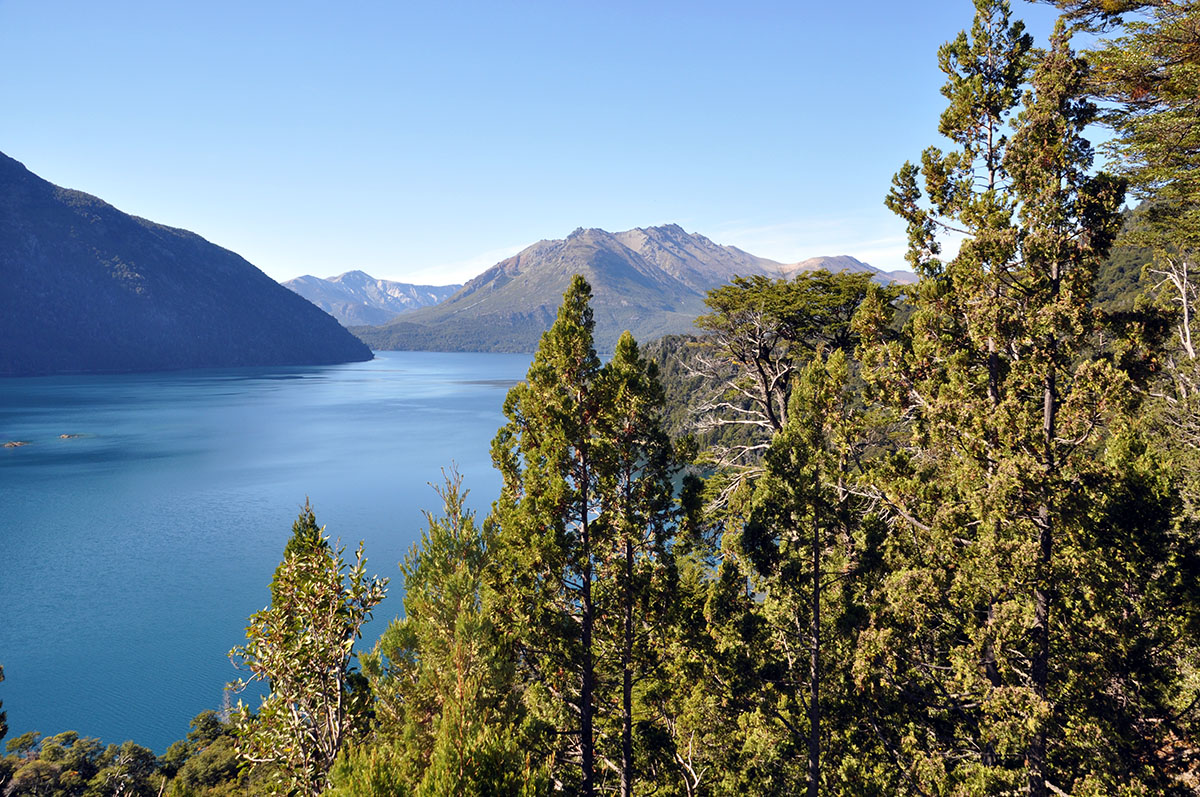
x=302, y=645
x=124, y=769
x=448, y=719
x=585, y=517
x=547, y=546
x=636, y=569
x=206, y=763
x=1004, y=573
x=23, y=744
x=66, y=765
x=1150, y=75
x=760, y=332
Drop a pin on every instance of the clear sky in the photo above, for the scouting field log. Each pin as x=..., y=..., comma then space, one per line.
x=426, y=141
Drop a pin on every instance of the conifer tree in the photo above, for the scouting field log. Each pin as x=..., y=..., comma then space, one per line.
x=637, y=506
x=448, y=718
x=799, y=512
x=547, y=456
x=586, y=515
x=1005, y=566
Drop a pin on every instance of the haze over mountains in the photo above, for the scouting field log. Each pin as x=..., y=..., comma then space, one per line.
x=86, y=287
x=651, y=281
x=357, y=298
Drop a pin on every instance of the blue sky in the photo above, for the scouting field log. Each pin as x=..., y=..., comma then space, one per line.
x=424, y=142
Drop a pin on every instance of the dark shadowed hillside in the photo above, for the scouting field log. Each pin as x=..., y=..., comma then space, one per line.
x=89, y=288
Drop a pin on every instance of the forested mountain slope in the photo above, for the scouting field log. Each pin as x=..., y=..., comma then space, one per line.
x=89, y=288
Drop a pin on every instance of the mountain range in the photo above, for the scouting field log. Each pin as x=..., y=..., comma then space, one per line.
x=86, y=287
x=847, y=263
x=357, y=298
x=651, y=281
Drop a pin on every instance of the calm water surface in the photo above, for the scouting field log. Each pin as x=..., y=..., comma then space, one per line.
x=131, y=555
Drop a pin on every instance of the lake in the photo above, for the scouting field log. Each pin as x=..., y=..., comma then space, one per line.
x=133, y=553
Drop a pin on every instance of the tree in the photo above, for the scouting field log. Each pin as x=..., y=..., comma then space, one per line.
x=799, y=537
x=1148, y=75
x=124, y=771
x=760, y=332
x=636, y=465
x=546, y=456
x=1005, y=556
x=584, y=518
x=206, y=762
x=448, y=718
x=302, y=646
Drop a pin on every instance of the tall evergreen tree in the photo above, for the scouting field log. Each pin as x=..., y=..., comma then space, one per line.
x=799, y=538
x=637, y=465
x=584, y=555
x=546, y=454
x=1004, y=562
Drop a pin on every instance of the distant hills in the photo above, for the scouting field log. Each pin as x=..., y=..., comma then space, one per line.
x=85, y=287
x=847, y=263
x=357, y=298
x=651, y=281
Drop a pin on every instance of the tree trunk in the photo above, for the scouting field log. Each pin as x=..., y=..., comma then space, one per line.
x=814, y=685
x=627, y=678
x=588, y=677
x=1040, y=670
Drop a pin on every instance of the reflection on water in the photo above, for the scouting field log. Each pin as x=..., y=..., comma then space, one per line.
x=133, y=553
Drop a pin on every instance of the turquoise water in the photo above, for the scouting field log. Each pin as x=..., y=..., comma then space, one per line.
x=131, y=555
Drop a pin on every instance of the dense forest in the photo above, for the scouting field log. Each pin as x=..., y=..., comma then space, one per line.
x=849, y=541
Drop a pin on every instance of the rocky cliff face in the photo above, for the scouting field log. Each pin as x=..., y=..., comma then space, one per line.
x=85, y=287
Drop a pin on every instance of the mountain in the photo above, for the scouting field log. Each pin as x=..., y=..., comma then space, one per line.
x=89, y=288
x=358, y=298
x=847, y=263
x=651, y=281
